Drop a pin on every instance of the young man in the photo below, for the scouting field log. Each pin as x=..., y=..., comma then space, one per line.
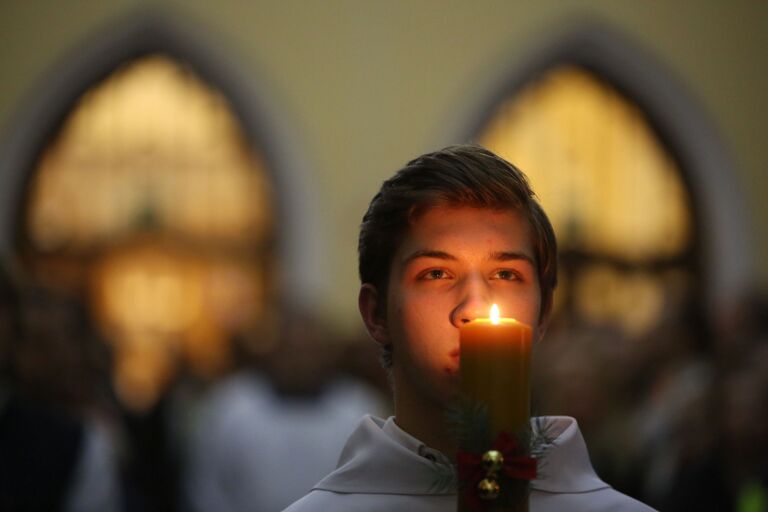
x=450, y=234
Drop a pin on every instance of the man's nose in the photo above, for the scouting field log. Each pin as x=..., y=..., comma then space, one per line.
x=474, y=301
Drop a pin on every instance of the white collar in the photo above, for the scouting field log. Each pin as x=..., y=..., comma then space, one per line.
x=564, y=465
x=372, y=462
x=393, y=430
x=381, y=458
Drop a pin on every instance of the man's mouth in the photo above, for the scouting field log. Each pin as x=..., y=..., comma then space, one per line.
x=453, y=369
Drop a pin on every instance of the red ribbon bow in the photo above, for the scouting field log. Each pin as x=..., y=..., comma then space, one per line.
x=517, y=465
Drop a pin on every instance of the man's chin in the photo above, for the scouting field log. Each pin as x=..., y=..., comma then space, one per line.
x=445, y=394
x=449, y=391
x=438, y=388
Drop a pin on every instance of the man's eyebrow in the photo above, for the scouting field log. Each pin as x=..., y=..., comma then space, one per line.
x=512, y=256
x=429, y=253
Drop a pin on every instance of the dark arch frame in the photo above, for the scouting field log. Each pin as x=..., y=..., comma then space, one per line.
x=42, y=112
x=722, y=230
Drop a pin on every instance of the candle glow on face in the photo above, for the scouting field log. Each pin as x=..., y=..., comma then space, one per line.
x=495, y=315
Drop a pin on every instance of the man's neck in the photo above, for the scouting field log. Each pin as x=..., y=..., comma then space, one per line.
x=425, y=422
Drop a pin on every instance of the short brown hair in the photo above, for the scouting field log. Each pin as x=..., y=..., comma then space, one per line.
x=461, y=175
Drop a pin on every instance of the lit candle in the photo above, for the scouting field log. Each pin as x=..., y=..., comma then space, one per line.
x=495, y=370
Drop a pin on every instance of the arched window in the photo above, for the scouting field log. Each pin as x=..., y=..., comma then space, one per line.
x=150, y=199
x=616, y=197
x=149, y=173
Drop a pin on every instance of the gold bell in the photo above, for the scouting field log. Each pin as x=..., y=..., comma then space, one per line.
x=493, y=461
x=488, y=489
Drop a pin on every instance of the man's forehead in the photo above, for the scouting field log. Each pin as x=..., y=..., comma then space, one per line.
x=448, y=220
x=450, y=233
x=448, y=255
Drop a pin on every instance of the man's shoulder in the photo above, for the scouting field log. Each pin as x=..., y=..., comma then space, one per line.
x=316, y=500
x=371, y=502
x=619, y=501
x=377, y=474
x=601, y=500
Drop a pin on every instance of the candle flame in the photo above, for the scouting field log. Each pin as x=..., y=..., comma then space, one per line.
x=495, y=314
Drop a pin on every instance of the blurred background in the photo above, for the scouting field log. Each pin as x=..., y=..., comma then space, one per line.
x=181, y=185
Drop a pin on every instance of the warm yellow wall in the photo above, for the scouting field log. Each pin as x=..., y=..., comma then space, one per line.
x=367, y=85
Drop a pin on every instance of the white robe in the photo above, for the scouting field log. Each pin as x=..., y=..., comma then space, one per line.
x=253, y=451
x=382, y=468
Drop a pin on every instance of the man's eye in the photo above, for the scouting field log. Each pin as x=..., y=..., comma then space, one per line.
x=435, y=274
x=506, y=275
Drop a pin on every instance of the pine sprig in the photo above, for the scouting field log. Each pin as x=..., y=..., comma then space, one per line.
x=542, y=440
x=446, y=480
x=469, y=423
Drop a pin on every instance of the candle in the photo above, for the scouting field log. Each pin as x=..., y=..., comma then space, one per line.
x=495, y=368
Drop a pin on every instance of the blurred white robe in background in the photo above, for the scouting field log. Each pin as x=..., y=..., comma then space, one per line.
x=256, y=451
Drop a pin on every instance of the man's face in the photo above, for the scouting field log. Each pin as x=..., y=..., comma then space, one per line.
x=451, y=266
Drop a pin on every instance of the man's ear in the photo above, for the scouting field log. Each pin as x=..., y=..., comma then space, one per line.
x=542, y=329
x=370, y=304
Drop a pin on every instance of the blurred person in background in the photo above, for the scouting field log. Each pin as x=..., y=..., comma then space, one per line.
x=265, y=437
x=724, y=464
x=670, y=415
x=582, y=371
x=55, y=453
